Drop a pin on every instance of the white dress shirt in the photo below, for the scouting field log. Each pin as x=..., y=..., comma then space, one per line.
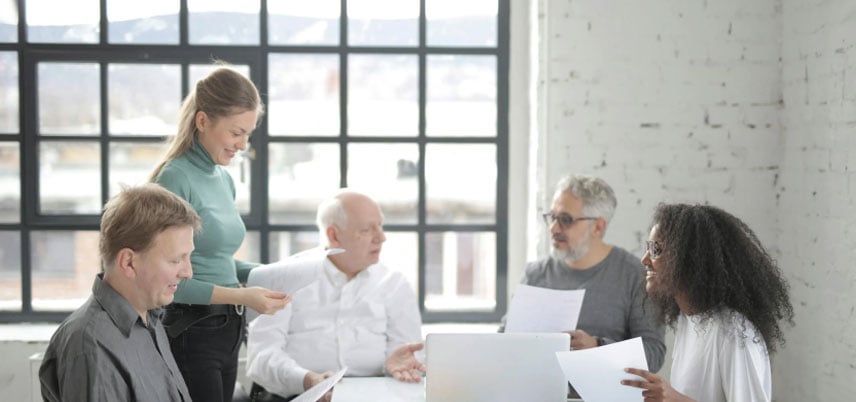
x=333, y=323
x=719, y=360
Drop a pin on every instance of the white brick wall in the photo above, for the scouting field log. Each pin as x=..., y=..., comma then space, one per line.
x=747, y=105
x=668, y=101
x=817, y=237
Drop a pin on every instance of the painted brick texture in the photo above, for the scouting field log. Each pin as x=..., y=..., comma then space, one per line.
x=747, y=105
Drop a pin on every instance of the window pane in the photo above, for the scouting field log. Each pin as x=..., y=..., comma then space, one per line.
x=241, y=175
x=250, y=249
x=200, y=71
x=301, y=176
x=460, y=183
x=460, y=271
x=10, y=183
x=131, y=163
x=9, y=102
x=223, y=22
x=383, y=22
x=461, y=96
x=401, y=253
x=461, y=23
x=134, y=21
x=63, y=21
x=301, y=22
x=383, y=94
x=389, y=174
x=285, y=244
x=69, y=178
x=303, y=94
x=69, y=101
x=64, y=264
x=10, y=270
x=144, y=98
x=8, y=20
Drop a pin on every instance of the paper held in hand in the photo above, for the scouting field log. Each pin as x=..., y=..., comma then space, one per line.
x=596, y=373
x=288, y=275
x=316, y=392
x=535, y=309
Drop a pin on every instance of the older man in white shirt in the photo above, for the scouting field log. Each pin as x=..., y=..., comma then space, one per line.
x=358, y=314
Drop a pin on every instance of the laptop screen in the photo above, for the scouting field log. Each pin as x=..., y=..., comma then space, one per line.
x=495, y=367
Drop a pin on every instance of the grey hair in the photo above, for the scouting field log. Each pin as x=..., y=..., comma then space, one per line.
x=330, y=212
x=597, y=196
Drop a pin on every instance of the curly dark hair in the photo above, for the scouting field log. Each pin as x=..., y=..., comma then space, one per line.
x=718, y=264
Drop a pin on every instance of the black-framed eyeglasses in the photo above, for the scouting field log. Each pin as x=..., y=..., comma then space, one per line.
x=565, y=220
x=654, y=249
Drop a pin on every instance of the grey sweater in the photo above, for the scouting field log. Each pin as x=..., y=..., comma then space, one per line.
x=614, y=307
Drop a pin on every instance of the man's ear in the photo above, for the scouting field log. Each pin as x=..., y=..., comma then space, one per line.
x=332, y=236
x=125, y=263
x=600, y=227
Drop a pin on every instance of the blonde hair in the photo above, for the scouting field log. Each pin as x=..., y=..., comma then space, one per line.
x=224, y=92
x=134, y=217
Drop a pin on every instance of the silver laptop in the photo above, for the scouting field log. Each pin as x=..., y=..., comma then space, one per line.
x=500, y=367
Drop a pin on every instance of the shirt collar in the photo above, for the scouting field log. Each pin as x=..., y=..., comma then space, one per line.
x=117, y=307
x=338, y=277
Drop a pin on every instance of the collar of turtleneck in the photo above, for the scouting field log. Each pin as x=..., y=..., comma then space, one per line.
x=199, y=157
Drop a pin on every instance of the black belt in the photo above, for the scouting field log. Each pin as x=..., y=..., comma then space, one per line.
x=175, y=324
x=209, y=309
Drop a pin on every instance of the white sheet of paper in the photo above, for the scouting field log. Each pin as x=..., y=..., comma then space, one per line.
x=281, y=277
x=535, y=309
x=373, y=389
x=596, y=373
x=316, y=392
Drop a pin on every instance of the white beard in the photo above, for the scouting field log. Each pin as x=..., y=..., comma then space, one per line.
x=574, y=252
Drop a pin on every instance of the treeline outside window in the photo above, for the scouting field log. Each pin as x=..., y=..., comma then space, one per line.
x=405, y=100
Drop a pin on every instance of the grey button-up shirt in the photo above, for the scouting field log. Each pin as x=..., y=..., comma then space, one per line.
x=104, y=352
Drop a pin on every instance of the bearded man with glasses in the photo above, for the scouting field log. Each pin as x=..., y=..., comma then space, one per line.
x=613, y=307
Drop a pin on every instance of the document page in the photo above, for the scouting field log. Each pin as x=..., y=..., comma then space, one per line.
x=316, y=392
x=596, y=373
x=288, y=275
x=535, y=309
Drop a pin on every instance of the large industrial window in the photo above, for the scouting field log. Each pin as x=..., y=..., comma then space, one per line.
x=405, y=100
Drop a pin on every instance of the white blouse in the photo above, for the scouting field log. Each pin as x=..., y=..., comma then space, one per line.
x=719, y=360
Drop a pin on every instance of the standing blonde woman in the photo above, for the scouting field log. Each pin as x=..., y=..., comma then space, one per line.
x=206, y=322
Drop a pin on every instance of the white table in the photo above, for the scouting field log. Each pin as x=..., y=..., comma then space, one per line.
x=387, y=389
x=373, y=389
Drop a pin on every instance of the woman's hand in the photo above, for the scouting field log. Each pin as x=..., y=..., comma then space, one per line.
x=263, y=300
x=654, y=388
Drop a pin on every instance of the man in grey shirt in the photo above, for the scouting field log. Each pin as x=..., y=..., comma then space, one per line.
x=114, y=348
x=614, y=307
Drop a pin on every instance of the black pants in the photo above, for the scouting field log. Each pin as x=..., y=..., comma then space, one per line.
x=205, y=341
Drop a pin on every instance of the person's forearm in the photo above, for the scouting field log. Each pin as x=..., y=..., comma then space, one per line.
x=224, y=295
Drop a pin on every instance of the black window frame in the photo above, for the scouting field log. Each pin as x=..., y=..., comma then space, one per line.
x=256, y=57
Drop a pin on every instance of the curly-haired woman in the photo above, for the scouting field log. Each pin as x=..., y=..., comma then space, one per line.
x=716, y=284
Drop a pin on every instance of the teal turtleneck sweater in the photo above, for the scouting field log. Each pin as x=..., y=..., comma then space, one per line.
x=210, y=190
